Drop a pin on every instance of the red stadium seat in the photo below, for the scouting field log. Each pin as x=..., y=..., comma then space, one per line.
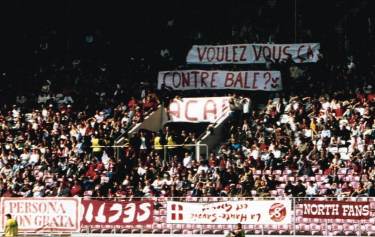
x=370, y=229
x=274, y=193
x=316, y=229
x=271, y=229
x=277, y=172
x=187, y=232
x=267, y=172
x=312, y=178
x=207, y=231
x=95, y=231
x=157, y=229
x=147, y=229
x=348, y=229
x=342, y=171
x=284, y=229
x=280, y=192
x=107, y=231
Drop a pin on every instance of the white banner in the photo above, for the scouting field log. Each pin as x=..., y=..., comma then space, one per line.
x=219, y=80
x=252, y=53
x=195, y=110
x=230, y=212
x=42, y=214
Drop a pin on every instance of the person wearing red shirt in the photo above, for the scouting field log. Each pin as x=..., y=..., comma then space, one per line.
x=132, y=102
x=76, y=189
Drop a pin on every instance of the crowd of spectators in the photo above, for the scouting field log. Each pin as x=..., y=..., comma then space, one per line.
x=56, y=149
x=58, y=118
x=306, y=146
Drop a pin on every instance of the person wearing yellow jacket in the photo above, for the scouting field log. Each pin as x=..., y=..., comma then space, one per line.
x=158, y=143
x=11, y=227
x=97, y=151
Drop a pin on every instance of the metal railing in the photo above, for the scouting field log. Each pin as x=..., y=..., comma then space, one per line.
x=197, y=150
x=115, y=149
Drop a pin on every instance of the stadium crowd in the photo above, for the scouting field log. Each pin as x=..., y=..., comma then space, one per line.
x=316, y=138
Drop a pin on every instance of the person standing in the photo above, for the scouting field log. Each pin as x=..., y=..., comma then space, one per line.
x=11, y=227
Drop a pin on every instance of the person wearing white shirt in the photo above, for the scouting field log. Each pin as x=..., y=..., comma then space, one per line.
x=126, y=180
x=246, y=106
x=173, y=171
x=295, y=105
x=99, y=117
x=6, y=170
x=67, y=100
x=141, y=170
x=254, y=152
x=326, y=133
x=43, y=98
x=34, y=157
x=45, y=113
x=203, y=167
x=167, y=180
x=157, y=184
x=147, y=189
x=308, y=132
x=143, y=145
x=25, y=156
x=125, y=119
x=187, y=160
x=326, y=105
x=15, y=112
x=38, y=190
x=311, y=189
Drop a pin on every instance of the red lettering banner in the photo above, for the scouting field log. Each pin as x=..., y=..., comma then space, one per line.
x=221, y=80
x=116, y=214
x=200, y=109
x=336, y=209
x=252, y=53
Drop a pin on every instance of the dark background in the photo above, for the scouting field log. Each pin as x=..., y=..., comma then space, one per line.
x=138, y=29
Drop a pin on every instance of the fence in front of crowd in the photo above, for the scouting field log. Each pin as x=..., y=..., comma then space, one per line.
x=194, y=149
x=192, y=215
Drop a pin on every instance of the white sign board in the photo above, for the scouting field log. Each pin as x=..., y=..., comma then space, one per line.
x=252, y=53
x=43, y=214
x=230, y=212
x=221, y=80
x=197, y=110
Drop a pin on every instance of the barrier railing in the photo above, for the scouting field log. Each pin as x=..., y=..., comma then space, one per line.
x=353, y=216
x=196, y=151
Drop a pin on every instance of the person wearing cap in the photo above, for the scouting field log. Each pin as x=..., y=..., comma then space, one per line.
x=11, y=226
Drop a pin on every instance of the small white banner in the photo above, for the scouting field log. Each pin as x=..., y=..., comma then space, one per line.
x=221, y=80
x=43, y=214
x=230, y=212
x=197, y=110
x=252, y=53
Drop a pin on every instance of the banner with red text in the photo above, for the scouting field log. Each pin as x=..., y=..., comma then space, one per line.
x=221, y=80
x=336, y=209
x=42, y=214
x=199, y=109
x=252, y=53
x=116, y=214
x=230, y=212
